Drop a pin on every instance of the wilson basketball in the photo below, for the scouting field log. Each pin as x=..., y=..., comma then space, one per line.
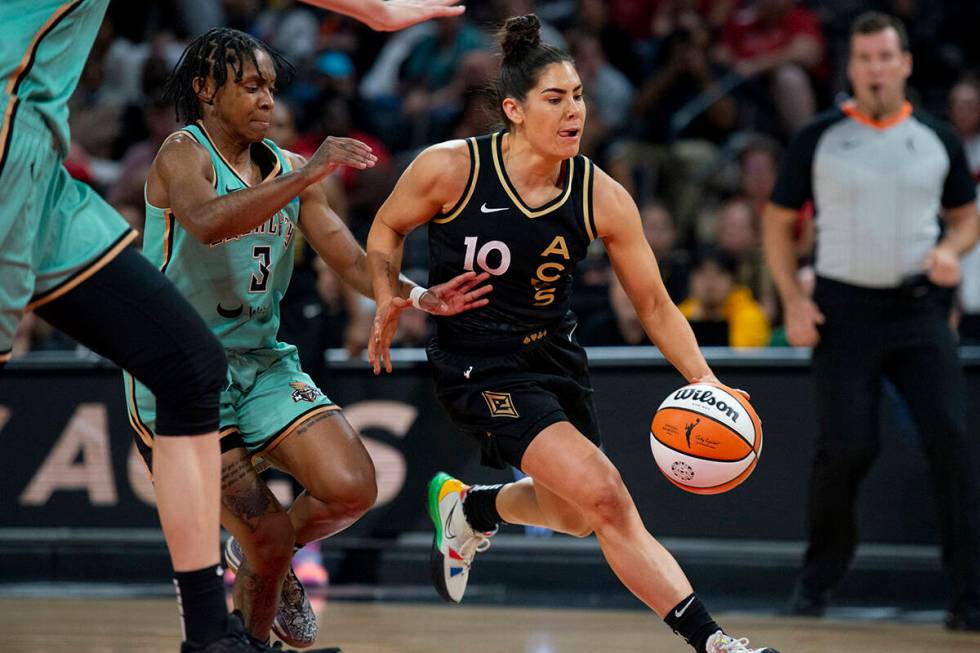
x=706, y=438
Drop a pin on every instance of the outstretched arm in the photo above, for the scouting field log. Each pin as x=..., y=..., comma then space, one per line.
x=392, y=15
x=182, y=179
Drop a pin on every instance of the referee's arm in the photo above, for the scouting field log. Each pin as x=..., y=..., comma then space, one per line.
x=801, y=315
x=942, y=264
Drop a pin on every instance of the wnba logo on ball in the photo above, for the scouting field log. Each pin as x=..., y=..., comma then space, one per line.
x=707, y=397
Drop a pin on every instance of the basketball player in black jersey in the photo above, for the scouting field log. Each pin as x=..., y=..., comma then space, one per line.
x=523, y=205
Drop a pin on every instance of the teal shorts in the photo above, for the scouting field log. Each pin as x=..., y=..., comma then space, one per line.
x=55, y=232
x=267, y=398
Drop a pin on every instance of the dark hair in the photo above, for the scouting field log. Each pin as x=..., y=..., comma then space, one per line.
x=872, y=22
x=209, y=55
x=524, y=55
x=712, y=254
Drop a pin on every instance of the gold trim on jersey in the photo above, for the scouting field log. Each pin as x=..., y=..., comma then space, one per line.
x=587, y=200
x=496, y=142
x=71, y=282
x=471, y=185
x=134, y=414
x=168, y=238
x=13, y=82
x=275, y=169
x=290, y=428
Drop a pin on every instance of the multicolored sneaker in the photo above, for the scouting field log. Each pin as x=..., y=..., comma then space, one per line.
x=455, y=543
x=295, y=621
x=721, y=642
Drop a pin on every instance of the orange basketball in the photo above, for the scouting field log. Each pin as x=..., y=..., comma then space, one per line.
x=706, y=438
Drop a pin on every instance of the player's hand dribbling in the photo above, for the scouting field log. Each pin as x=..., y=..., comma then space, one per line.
x=802, y=317
x=335, y=152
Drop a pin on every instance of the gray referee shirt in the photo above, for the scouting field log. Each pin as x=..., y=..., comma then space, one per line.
x=877, y=189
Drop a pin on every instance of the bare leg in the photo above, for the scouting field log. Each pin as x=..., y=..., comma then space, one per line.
x=186, y=470
x=255, y=518
x=565, y=462
x=326, y=456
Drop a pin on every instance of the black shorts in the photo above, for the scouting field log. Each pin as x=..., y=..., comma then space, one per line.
x=504, y=401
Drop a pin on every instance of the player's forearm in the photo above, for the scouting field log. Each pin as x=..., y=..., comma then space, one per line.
x=667, y=327
x=384, y=249
x=239, y=212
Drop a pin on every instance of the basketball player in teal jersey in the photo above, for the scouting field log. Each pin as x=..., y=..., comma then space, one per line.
x=523, y=205
x=63, y=253
x=222, y=205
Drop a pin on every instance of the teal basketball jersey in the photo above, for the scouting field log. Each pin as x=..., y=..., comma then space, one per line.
x=235, y=284
x=43, y=47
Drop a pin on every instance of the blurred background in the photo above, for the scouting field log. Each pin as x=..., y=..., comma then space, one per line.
x=691, y=103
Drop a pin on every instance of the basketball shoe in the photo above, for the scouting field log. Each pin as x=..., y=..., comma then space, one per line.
x=295, y=621
x=237, y=640
x=455, y=543
x=720, y=642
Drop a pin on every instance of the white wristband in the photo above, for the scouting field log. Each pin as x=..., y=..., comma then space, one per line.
x=416, y=296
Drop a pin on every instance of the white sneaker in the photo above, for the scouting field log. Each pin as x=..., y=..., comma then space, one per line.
x=723, y=643
x=455, y=543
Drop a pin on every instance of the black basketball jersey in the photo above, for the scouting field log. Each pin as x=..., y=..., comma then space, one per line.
x=531, y=252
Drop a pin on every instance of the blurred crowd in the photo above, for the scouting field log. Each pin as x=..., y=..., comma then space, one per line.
x=690, y=104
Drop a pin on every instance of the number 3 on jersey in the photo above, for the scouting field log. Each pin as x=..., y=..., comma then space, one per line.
x=483, y=254
x=262, y=253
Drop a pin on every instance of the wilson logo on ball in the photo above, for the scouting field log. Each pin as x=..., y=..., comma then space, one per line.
x=701, y=441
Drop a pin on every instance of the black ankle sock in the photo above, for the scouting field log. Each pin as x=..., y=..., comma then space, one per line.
x=691, y=620
x=201, y=601
x=480, y=507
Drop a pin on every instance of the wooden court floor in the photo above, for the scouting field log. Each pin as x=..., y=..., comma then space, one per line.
x=150, y=626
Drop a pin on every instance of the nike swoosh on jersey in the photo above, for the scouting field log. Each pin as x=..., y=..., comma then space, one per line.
x=485, y=209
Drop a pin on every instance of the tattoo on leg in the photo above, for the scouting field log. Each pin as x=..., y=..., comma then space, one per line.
x=305, y=426
x=258, y=598
x=249, y=502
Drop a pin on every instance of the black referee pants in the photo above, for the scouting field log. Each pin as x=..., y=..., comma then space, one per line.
x=901, y=334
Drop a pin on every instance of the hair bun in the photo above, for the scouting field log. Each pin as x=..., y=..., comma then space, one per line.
x=519, y=35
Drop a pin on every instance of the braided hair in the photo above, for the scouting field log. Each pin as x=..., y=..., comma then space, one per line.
x=209, y=56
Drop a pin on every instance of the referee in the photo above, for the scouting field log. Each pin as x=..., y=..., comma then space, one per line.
x=879, y=173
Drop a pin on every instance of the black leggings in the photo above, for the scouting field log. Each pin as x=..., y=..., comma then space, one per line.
x=131, y=314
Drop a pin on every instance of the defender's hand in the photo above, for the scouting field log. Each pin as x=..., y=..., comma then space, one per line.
x=457, y=295
x=399, y=14
x=335, y=152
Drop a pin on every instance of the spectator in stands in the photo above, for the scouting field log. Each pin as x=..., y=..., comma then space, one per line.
x=674, y=263
x=722, y=312
x=681, y=114
x=737, y=234
x=609, y=93
x=780, y=45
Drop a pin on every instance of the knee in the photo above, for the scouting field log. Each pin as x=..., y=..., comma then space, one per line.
x=350, y=494
x=606, y=502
